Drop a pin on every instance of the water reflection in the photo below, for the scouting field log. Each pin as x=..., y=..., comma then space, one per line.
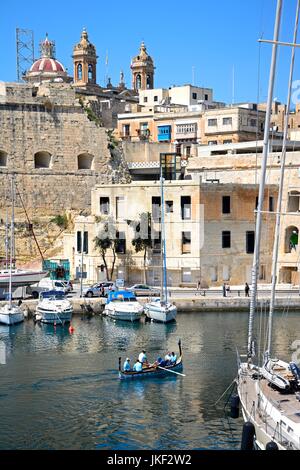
x=69, y=382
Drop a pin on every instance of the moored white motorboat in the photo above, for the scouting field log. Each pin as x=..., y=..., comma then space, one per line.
x=53, y=308
x=122, y=305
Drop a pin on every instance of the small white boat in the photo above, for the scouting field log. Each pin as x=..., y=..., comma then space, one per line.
x=53, y=308
x=161, y=311
x=122, y=305
x=20, y=277
x=11, y=314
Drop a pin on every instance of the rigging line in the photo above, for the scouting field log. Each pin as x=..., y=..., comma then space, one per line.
x=257, y=110
x=30, y=224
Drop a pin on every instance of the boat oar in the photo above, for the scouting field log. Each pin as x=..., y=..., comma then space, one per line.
x=173, y=371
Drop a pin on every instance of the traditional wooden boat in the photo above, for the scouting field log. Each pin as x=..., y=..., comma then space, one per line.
x=154, y=370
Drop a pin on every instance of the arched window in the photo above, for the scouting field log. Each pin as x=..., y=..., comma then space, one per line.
x=291, y=239
x=148, y=82
x=42, y=160
x=138, y=81
x=85, y=161
x=3, y=158
x=90, y=72
x=79, y=72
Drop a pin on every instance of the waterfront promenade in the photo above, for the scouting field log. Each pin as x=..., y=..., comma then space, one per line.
x=203, y=300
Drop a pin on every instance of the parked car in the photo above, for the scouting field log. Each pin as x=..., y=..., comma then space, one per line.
x=68, y=285
x=96, y=289
x=45, y=285
x=143, y=289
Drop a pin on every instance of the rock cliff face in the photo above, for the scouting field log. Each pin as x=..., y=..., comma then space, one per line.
x=56, y=149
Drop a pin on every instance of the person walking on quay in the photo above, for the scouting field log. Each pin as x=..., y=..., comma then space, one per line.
x=247, y=289
x=224, y=290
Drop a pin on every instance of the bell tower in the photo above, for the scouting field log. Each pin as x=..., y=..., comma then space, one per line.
x=142, y=70
x=85, y=61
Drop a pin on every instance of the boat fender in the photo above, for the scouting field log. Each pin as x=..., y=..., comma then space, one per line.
x=271, y=446
x=234, y=406
x=54, y=324
x=71, y=329
x=248, y=436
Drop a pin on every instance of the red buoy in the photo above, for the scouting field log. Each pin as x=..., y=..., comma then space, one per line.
x=71, y=329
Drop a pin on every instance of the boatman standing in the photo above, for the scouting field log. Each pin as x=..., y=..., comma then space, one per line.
x=143, y=358
x=126, y=366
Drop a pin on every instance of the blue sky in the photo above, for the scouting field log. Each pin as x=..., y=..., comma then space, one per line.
x=209, y=37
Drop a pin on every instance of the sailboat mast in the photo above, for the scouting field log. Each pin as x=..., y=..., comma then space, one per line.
x=11, y=241
x=163, y=243
x=6, y=240
x=256, y=257
x=281, y=181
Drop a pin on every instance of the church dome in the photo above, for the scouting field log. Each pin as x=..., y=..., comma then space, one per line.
x=143, y=56
x=47, y=67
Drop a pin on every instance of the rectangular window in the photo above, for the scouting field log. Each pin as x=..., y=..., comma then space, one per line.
x=156, y=243
x=212, y=122
x=250, y=236
x=256, y=202
x=227, y=121
x=186, y=128
x=228, y=141
x=78, y=242
x=104, y=205
x=194, y=95
x=164, y=133
x=212, y=142
x=271, y=204
x=185, y=207
x=86, y=242
x=145, y=99
x=188, y=151
x=253, y=122
x=156, y=208
x=126, y=130
x=169, y=207
x=120, y=207
x=262, y=272
x=155, y=98
x=121, y=243
x=226, y=239
x=186, y=275
x=206, y=97
x=186, y=243
x=226, y=205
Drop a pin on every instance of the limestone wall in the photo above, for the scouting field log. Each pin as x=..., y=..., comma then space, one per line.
x=52, y=121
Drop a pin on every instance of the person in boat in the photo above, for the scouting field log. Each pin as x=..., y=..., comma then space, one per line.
x=143, y=358
x=127, y=366
x=173, y=358
x=138, y=366
x=168, y=357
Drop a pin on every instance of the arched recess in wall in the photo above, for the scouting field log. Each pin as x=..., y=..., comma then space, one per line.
x=3, y=158
x=90, y=73
x=42, y=160
x=138, y=81
x=79, y=72
x=85, y=161
x=291, y=239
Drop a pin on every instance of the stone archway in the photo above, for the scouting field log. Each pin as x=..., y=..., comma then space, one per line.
x=42, y=160
x=291, y=239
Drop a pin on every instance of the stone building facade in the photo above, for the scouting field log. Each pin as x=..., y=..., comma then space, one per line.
x=209, y=232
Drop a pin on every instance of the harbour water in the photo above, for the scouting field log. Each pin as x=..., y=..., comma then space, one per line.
x=61, y=391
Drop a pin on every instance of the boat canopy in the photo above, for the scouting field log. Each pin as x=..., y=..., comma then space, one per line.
x=120, y=295
x=57, y=294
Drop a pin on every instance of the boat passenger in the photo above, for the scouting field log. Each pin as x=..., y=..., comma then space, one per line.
x=160, y=362
x=138, y=367
x=168, y=357
x=126, y=366
x=173, y=358
x=143, y=358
